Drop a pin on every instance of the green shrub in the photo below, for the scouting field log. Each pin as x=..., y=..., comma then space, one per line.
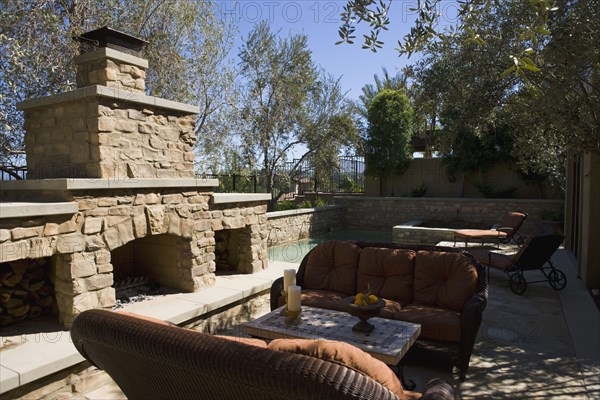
x=285, y=205
x=419, y=191
x=305, y=204
x=489, y=192
x=320, y=202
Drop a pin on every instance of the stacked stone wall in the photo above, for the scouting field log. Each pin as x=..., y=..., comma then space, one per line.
x=112, y=73
x=382, y=213
x=290, y=226
x=97, y=138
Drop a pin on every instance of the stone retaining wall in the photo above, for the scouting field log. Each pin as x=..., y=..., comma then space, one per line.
x=382, y=213
x=293, y=225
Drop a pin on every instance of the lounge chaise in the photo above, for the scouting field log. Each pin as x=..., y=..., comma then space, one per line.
x=506, y=230
x=534, y=255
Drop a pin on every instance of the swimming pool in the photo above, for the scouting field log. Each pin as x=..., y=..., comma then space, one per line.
x=294, y=252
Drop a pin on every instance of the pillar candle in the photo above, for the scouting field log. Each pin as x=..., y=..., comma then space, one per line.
x=289, y=278
x=294, y=298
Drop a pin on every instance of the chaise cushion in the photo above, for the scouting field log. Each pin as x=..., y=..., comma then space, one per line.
x=332, y=266
x=436, y=323
x=343, y=354
x=388, y=272
x=444, y=279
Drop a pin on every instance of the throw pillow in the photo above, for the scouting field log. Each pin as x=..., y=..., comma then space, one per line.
x=343, y=354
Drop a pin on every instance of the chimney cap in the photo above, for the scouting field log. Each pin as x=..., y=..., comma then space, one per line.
x=112, y=38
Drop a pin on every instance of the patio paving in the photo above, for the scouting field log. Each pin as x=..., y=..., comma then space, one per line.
x=544, y=344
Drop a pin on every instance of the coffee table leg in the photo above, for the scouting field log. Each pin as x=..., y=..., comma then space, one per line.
x=399, y=371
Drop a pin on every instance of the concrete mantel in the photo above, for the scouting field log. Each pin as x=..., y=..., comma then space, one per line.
x=224, y=198
x=108, y=183
x=24, y=210
x=107, y=92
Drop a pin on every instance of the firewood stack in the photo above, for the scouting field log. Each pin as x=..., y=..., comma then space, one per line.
x=25, y=290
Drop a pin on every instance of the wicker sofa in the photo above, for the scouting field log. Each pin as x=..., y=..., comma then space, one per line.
x=151, y=359
x=443, y=289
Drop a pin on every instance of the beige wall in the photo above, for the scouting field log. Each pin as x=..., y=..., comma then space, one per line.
x=432, y=172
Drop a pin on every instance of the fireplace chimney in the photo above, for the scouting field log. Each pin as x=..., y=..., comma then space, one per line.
x=108, y=127
x=113, y=61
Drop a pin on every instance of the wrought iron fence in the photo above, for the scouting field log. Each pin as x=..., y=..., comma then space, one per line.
x=347, y=177
x=11, y=173
x=296, y=177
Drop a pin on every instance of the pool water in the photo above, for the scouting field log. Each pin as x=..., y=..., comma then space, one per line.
x=295, y=252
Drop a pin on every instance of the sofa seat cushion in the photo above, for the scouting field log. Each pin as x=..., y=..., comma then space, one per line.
x=343, y=354
x=323, y=299
x=436, y=323
x=332, y=266
x=388, y=272
x=444, y=279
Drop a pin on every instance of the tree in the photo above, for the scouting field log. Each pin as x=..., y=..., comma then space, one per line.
x=554, y=46
x=287, y=106
x=187, y=39
x=370, y=90
x=388, y=148
x=457, y=85
x=430, y=31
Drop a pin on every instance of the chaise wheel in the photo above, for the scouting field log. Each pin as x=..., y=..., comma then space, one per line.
x=518, y=284
x=557, y=279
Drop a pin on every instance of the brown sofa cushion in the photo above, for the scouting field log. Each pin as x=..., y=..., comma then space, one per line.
x=389, y=273
x=444, y=279
x=436, y=323
x=332, y=266
x=343, y=354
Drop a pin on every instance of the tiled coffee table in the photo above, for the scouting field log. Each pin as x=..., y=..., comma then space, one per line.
x=388, y=342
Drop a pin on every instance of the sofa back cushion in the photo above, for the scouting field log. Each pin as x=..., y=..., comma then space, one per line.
x=444, y=279
x=388, y=272
x=332, y=266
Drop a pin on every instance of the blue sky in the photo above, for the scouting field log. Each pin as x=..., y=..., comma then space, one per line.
x=319, y=20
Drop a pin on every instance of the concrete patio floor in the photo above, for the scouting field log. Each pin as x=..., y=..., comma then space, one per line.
x=541, y=345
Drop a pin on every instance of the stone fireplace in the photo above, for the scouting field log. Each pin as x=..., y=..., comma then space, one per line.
x=111, y=190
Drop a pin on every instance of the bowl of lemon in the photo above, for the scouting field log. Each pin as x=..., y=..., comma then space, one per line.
x=364, y=306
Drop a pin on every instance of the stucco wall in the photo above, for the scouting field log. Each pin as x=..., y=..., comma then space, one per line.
x=432, y=173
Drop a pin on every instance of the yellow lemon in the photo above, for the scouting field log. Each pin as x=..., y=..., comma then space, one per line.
x=359, y=299
x=372, y=299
